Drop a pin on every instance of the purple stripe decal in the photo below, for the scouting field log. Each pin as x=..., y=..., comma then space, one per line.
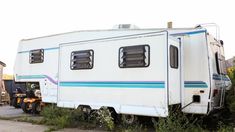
x=51, y=80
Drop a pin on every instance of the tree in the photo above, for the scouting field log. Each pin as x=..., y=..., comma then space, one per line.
x=234, y=61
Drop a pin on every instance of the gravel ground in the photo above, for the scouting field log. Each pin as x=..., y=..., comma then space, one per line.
x=13, y=126
x=9, y=111
x=11, y=122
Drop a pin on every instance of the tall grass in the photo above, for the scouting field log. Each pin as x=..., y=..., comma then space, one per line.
x=178, y=122
x=62, y=117
x=230, y=95
x=102, y=119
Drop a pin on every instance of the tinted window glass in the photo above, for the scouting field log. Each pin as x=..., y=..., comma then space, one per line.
x=174, y=57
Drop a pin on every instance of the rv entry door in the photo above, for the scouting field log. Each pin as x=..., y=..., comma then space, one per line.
x=174, y=69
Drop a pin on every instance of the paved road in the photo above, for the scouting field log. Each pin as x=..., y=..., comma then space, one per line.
x=9, y=111
x=13, y=126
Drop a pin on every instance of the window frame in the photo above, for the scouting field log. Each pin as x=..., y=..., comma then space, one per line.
x=30, y=56
x=148, y=55
x=92, y=61
x=175, y=48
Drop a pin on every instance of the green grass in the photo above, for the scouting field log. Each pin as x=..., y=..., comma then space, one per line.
x=177, y=121
x=62, y=118
x=224, y=128
x=58, y=118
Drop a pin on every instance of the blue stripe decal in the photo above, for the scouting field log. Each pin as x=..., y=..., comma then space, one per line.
x=132, y=84
x=220, y=77
x=115, y=84
x=54, y=48
x=22, y=52
x=195, y=84
x=38, y=77
x=31, y=77
x=189, y=33
x=46, y=49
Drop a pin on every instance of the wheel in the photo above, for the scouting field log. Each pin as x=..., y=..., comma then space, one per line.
x=14, y=102
x=86, y=110
x=21, y=101
x=114, y=115
x=129, y=119
x=36, y=107
x=26, y=107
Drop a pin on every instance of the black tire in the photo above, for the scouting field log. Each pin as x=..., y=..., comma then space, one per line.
x=25, y=107
x=116, y=117
x=129, y=119
x=36, y=108
x=21, y=101
x=14, y=102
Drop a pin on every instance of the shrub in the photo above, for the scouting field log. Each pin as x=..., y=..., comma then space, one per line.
x=59, y=117
x=224, y=128
x=103, y=118
x=177, y=122
x=132, y=128
x=62, y=117
x=230, y=97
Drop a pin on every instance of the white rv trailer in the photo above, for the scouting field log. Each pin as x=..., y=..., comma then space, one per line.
x=133, y=71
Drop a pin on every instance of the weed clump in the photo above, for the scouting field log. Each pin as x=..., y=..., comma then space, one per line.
x=230, y=94
x=224, y=128
x=55, y=116
x=62, y=118
x=102, y=119
x=177, y=122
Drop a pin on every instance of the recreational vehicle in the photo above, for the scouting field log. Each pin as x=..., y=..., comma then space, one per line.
x=132, y=71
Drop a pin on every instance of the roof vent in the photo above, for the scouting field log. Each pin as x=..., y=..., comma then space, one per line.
x=125, y=26
x=169, y=24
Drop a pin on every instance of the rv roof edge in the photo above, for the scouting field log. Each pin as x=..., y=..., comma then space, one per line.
x=100, y=30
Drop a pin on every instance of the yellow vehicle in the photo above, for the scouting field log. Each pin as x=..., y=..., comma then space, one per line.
x=18, y=97
x=32, y=103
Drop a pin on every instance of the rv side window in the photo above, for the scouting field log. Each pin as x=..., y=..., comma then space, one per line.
x=217, y=62
x=174, y=57
x=82, y=59
x=134, y=56
x=36, y=56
